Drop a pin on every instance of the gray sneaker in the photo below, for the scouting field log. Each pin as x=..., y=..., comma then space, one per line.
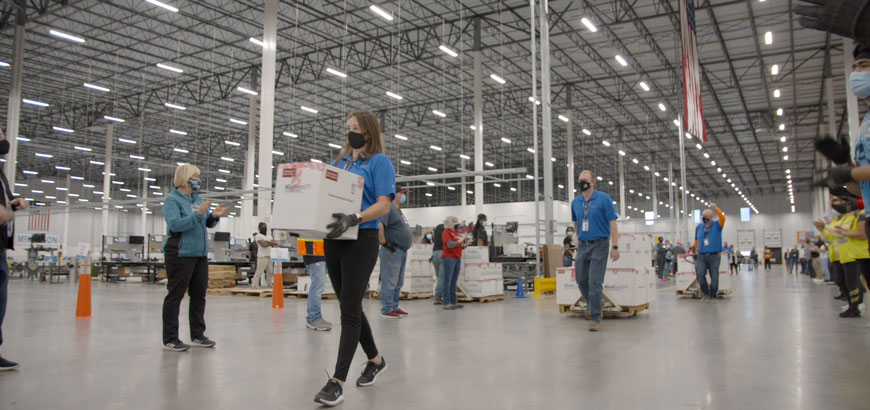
x=319, y=324
x=714, y=301
x=594, y=326
x=705, y=299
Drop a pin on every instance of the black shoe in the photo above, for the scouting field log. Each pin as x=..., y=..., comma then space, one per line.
x=330, y=395
x=176, y=346
x=202, y=342
x=851, y=313
x=7, y=365
x=457, y=306
x=371, y=372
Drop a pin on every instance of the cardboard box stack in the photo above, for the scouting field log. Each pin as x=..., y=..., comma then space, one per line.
x=221, y=276
x=419, y=271
x=478, y=276
x=685, y=275
x=567, y=291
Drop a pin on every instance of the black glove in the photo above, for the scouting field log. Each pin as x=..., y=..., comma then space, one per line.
x=839, y=176
x=342, y=223
x=839, y=152
x=847, y=18
x=391, y=246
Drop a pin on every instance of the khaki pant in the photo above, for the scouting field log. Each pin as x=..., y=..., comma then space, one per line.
x=817, y=267
x=264, y=265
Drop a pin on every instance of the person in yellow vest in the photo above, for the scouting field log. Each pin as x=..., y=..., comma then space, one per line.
x=835, y=243
x=315, y=261
x=853, y=254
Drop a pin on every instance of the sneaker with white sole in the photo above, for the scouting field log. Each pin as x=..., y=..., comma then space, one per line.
x=391, y=315
x=7, y=365
x=202, y=342
x=330, y=395
x=176, y=346
x=319, y=324
x=594, y=326
x=371, y=372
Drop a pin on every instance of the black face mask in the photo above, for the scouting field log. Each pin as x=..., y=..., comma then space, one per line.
x=4, y=147
x=356, y=140
x=844, y=207
x=705, y=220
x=585, y=185
x=263, y=230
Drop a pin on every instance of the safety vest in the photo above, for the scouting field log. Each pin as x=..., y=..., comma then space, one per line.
x=310, y=247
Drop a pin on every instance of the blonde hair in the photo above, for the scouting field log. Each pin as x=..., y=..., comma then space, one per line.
x=450, y=221
x=586, y=171
x=369, y=124
x=184, y=173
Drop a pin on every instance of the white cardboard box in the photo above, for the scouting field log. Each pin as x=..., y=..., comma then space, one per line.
x=420, y=252
x=308, y=193
x=418, y=284
x=303, y=285
x=567, y=291
x=475, y=254
x=625, y=287
x=481, y=271
x=483, y=288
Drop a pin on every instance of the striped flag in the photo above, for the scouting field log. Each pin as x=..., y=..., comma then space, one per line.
x=38, y=220
x=693, y=111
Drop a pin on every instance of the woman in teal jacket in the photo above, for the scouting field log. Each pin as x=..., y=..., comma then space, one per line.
x=186, y=250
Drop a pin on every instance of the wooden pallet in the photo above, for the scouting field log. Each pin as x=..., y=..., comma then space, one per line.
x=221, y=291
x=485, y=299
x=374, y=294
x=301, y=295
x=726, y=292
x=251, y=292
x=416, y=295
x=626, y=311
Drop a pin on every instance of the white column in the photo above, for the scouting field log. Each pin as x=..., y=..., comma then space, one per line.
x=851, y=99
x=143, y=226
x=250, y=158
x=684, y=225
x=671, y=201
x=67, y=248
x=622, y=213
x=655, y=201
x=13, y=114
x=107, y=177
x=569, y=138
x=547, y=122
x=463, y=195
x=267, y=110
x=478, y=119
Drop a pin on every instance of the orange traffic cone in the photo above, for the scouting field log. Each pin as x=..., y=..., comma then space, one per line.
x=83, y=305
x=277, y=286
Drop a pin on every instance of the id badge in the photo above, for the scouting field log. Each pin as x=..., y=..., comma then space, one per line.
x=585, y=226
x=706, y=242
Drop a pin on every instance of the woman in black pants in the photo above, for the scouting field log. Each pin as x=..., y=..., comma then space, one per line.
x=186, y=251
x=350, y=262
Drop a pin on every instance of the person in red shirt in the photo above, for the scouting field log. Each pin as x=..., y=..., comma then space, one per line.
x=451, y=260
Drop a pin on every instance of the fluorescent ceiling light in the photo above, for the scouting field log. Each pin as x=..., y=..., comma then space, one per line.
x=394, y=95
x=497, y=78
x=66, y=36
x=163, y=5
x=60, y=168
x=782, y=139
x=181, y=150
x=677, y=123
x=401, y=137
x=587, y=132
x=381, y=12
x=179, y=132
x=404, y=162
x=4, y=64
x=59, y=129
x=435, y=147
x=621, y=60
x=44, y=155
x=465, y=157
x=247, y=91
x=768, y=38
x=50, y=197
x=563, y=118
x=529, y=176
x=782, y=127
x=126, y=141
x=96, y=87
x=131, y=196
x=30, y=172
x=689, y=136
x=88, y=186
x=46, y=181
x=34, y=102
x=233, y=143
x=644, y=85
x=776, y=93
x=534, y=100
x=36, y=191
x=336, y=73
x=277, y=153
x=448, y=50
x=646, y=167
x=635, y=160
x=622, y=153
x=311, y=110
x=176, y=106
x=257, y=41
x=432, y=169
x=606, y=144
x=489, y=164
x=706, y=155
x=170, y=68
x=473, y=128
x=497, y=185
x=698, y=146
x=290, y=134
x=333, y=145
x=149, y=179
x=428, y=194
x=586, y=22
x=145, y=169
x=774, y=69
x=227, y=159
x=113, y=119
x=531, y=150
x=779, y=112
x=439, y=113
x=316, y=160
x=784, y=149
x=97, y=163
x=662, y=107
x=430, y=183
x=505, y=140
x=18, y=184
x=23, y=139
x=139, y=157
x=240, y=122
x=224, y=171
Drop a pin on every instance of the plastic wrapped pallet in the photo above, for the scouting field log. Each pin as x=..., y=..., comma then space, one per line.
x=420, y=252
x=419, y=277
x=625, y=287
x=482, y=279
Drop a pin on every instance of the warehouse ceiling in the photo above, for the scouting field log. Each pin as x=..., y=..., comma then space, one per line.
x=210, y=42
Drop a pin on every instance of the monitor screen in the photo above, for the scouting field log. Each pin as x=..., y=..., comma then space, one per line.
x=511, y=226
x=221, y=236
x=136, y=240
x=37, y=238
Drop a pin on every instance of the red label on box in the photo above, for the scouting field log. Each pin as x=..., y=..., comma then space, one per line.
x=332, y=175
x=289, y=172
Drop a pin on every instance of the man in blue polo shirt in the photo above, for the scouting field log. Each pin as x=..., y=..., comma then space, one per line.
x=594, y=219
x=708, y=242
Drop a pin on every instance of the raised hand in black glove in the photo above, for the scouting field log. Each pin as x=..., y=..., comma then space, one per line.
x=839, y=176
x=838, y=151
x=847, y=18
x=342, y=223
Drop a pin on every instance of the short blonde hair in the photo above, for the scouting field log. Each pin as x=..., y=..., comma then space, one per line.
x=184, y=173
x=586, y=171
x=450, y=221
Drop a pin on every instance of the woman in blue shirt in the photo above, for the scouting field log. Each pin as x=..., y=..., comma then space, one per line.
x=350, y=263
x=186, y=251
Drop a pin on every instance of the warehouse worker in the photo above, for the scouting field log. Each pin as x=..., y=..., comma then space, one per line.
x=708, y=242
x=265, y=243
x=853, y=251
x=350, y=262
x=661, y=254
x=480, y=237
x=568, y=247
x=8, y=205
x=677, y=250
x=395, y=236
x=315, y=261
x=594, y=219
x=451, y=261
x=437, y=250
x=187, y=217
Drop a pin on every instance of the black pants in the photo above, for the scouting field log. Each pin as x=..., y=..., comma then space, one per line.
x=853, y=284
x=350, y=265
x=767, y=264
x=191, y=275
x=734, y=267
x=660, y=267
x=840, y=278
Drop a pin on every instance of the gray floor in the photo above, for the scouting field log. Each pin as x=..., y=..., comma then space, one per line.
x=776, y=344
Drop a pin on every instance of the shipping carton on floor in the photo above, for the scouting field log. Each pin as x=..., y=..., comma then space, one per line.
x=303, y=285
x=685, y=275
x=308, y=193
x=475, y=254
x=483, y=288
x=651, y=288
x=635, y=252
x=567, y=291
x=481, y=279
x=625, y=287
x=481, y=271
x=420, y=252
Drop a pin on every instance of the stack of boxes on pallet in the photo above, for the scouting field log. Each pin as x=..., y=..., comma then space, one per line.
x=221, y=276
x=629, y=281
x=419, y=271
x=303, y=285
x=687, y=279
x=478, y=277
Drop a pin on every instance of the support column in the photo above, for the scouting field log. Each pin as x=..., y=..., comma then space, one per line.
x=851, y=99
x=143, y=227
x=569, y=138
x=684, y=225
x=66, y=246
x=463, y=197
x=535, y=137
x=478, y=119
x=547, y=121
x=107, y=177
x=13, y=114
x=671, y=201
x=267, y=110
x=250, y=158
x=655, y=201
x=621, y=185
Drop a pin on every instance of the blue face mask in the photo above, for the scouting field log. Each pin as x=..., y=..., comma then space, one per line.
x=860, y=84
x=195, y=184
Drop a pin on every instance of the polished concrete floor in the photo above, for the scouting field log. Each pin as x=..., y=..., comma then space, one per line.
x=777, y=343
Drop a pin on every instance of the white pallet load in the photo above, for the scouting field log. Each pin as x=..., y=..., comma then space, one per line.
x=622, y=287
x=686, y=278
x=420, y=252
x=303, y=285
x=726, y=279
x=419, y=277
x=567, y=291
x=481, y=279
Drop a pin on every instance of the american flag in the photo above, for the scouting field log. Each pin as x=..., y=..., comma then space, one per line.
x=693, y=112
x=38, y=220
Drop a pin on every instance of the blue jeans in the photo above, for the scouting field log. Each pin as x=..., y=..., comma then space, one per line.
x=439, y=274
x=392, y=277
x=317, y=271
x=451, y=276
x=590, y=268
x=4, y=283
x=708, y=262
x=567, y=261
